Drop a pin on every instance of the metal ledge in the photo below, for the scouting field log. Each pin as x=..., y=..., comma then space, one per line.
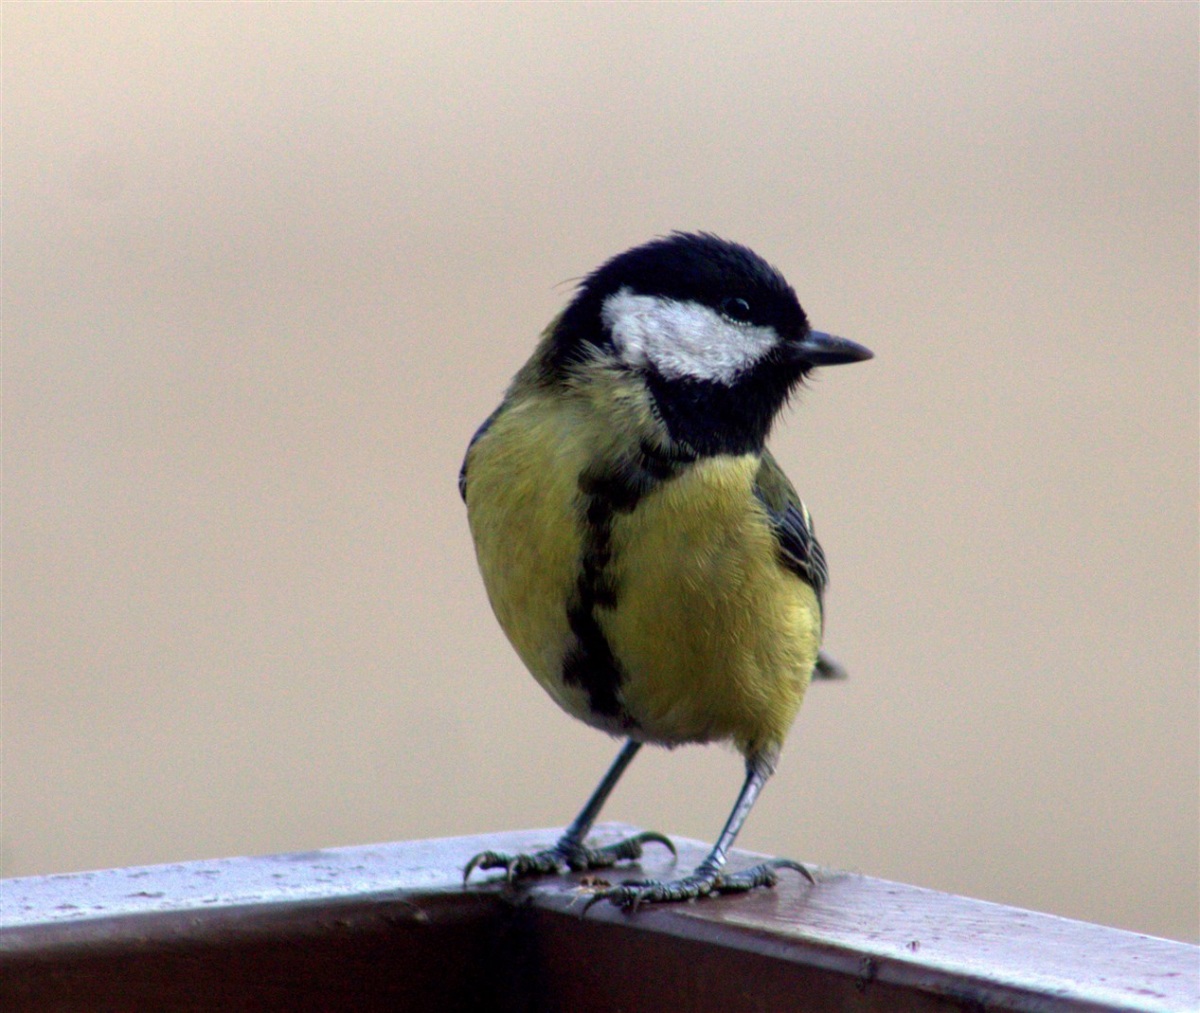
x=391, y=927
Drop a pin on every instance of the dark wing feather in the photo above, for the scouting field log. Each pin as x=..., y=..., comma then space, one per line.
x=462, y=472
x=828, y=668
x=799, y=549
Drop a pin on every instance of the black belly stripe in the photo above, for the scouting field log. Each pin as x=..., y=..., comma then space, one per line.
x=615, y=488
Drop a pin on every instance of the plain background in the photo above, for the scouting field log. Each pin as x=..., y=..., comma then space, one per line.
x=266, y=268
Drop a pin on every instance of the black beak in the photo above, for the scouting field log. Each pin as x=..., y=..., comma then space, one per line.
x=817, y=348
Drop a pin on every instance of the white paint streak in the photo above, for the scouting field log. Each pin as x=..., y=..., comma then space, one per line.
x=683, y=340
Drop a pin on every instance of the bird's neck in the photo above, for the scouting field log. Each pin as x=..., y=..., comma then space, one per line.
x=716, y=418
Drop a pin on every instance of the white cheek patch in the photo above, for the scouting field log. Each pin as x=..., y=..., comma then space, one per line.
x=683, y=340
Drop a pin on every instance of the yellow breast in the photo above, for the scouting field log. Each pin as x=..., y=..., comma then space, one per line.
x=717, y=638
x=713, y=637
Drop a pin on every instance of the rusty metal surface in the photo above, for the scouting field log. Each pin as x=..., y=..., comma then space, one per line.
x=390, y=927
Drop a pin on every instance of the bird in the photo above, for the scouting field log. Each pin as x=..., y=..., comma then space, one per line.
x=641, y=548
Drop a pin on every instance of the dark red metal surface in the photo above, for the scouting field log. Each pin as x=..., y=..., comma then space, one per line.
x=391, y=927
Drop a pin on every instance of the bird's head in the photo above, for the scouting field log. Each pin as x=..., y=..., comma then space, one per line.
x=714, y=332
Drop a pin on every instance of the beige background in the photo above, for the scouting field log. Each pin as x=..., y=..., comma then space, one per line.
x=266, y=267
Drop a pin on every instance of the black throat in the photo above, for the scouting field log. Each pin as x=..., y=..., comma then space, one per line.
x=718, y=418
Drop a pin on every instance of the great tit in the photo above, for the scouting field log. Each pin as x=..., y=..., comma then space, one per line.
x=642, y=550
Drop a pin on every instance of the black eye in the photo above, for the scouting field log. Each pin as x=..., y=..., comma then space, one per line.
x=736, y=308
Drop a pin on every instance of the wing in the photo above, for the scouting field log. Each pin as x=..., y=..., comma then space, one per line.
x=828, y=668
x=799, y=549
x=462, y=472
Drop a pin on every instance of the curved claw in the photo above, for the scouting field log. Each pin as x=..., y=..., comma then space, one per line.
x=471, y=865
x=653, y=837
x=596, y=898
x=763, y=874
x=487, y=860
x=513, y=865
x=627, y=849
x=787, y=863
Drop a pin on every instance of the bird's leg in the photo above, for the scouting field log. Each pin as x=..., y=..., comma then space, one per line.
x=570, y=851
x=708, y=877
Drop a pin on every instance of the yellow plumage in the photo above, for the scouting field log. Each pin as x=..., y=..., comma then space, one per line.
x=643, y=552
x=716, y=638
x=719, y=640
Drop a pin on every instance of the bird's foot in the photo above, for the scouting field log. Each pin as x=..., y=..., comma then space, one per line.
x=632, y=895
x=573, y=855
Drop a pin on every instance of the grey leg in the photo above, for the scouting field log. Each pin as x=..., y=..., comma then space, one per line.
x=708, y=877
x=570, y=851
